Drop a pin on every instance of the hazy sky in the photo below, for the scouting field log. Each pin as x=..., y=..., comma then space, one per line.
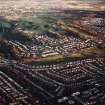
x=20, y=7
x=86, y=0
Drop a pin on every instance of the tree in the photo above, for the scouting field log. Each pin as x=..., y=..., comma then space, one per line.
x=4, y=26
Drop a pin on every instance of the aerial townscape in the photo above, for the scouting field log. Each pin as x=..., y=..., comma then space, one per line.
x=52, y=52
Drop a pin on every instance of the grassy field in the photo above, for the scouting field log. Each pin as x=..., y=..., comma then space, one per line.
x=52, y=58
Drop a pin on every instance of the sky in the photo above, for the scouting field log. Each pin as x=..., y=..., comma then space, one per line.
x=90, y=1
x=19, y=7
